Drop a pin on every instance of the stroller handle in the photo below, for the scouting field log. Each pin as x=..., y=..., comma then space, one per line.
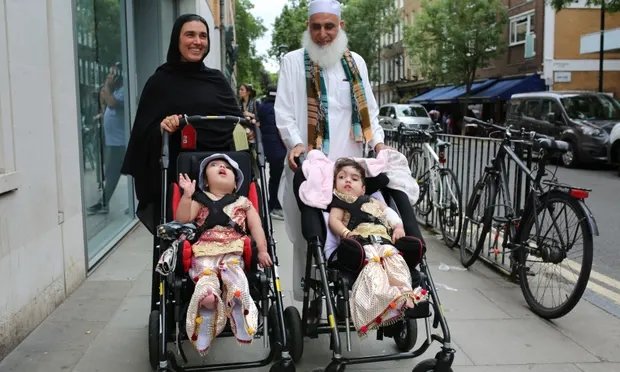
x=229, y=118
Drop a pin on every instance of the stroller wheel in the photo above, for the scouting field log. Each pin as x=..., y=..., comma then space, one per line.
x=294, y=333
x=428, y=365
x=283, y=365
x=335, y=366
x=406, y=335
x=154, y=339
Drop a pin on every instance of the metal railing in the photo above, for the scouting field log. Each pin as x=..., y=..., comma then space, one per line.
x=467, y=157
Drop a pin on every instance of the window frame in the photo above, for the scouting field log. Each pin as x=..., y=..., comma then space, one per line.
x=512, y=34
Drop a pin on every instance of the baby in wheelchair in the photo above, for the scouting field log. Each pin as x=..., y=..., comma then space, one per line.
x=223, y=219
x=372, y=237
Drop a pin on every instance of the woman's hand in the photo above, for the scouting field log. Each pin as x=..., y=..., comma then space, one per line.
x=186, y=184
x=264, y=260
x=398, y=233
x=170, y=123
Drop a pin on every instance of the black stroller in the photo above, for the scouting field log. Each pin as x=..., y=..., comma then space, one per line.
x=327, y=281
x=277, y=326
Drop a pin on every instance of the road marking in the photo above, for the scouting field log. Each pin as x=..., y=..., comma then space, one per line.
x=599, y=289
x=597, y=276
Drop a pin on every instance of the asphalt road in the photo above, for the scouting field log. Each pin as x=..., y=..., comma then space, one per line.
x=604, y=202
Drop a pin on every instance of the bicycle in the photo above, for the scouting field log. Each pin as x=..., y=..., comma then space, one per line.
x=550, y=241
x=439, y=188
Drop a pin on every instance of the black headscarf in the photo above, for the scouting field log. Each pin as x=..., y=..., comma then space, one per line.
x=176, y=87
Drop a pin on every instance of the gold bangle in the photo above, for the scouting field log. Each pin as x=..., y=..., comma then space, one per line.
x=345, y=232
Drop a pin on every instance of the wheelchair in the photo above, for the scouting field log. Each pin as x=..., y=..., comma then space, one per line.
x=279, y=328
x=327, y=281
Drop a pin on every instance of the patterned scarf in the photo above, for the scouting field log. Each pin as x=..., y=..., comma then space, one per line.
x=318, y=120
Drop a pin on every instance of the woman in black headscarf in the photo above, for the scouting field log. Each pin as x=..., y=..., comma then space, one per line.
x=181, y=86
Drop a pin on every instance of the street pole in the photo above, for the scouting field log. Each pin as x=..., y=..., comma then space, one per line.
x=379, y=73
x=601, y=52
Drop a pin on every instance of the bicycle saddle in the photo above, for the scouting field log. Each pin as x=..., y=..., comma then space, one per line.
x=441, y=144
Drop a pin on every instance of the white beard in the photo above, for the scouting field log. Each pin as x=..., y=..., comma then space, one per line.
x=328, y=55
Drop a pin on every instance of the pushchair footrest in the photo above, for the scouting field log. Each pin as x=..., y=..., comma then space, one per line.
x=421, y=310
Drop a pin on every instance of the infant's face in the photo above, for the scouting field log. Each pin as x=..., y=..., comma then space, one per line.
x=220, y=174
x=349, y=181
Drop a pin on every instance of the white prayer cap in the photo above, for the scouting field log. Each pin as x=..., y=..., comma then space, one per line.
x=324, y=6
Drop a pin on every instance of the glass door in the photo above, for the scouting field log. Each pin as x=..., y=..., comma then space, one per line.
x=104, y=122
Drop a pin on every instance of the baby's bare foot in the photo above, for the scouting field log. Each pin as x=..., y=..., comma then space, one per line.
x=409, y=303
x=208, y=301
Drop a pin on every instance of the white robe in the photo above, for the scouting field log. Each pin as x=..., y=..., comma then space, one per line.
x=291, y=110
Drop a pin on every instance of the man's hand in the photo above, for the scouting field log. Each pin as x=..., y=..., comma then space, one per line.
x=170, y=123
x=381, y=146
x=295, y=153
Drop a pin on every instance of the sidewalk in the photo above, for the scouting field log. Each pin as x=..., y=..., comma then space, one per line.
x=102, y=326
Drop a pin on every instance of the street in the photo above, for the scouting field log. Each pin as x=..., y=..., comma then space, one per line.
x=604, y=202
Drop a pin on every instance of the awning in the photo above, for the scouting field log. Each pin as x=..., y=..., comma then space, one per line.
x=428, y=96
x=450, y=93
x=503, y=89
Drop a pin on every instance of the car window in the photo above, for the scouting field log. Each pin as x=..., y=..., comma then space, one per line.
x=515, y=108
x=591, y=107
x=383, y=111
x=549, y=106
x=412, y=111
x=532, y=109
x=392, y=112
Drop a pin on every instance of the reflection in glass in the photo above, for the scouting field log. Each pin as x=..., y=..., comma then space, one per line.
x=104, y=122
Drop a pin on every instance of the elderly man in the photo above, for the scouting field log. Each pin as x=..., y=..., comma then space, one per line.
x=325, y=102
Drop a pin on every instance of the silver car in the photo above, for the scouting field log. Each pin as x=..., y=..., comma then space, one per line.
x=393, y=117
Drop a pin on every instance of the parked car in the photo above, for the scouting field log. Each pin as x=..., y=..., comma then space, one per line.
x=614, y=146
x=583, y=119
x=393, y=116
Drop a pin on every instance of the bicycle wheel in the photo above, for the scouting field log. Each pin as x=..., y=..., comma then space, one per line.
x=556, y=255
x=419, y=165
x=450, y=211
x=477, y=221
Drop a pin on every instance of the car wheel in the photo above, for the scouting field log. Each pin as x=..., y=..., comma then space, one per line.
x=569, y=158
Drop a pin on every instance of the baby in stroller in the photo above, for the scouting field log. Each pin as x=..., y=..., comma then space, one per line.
x=383, y=289
x=222, y=217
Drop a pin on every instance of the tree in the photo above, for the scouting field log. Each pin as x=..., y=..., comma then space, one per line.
x=288, y=28
x=248, y=29
x=451, y=39
x=365, y=22
x=610, y=5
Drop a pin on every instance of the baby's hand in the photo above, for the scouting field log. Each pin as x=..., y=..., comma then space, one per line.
x=187, y=184
x=264, y=260
x=398, y=233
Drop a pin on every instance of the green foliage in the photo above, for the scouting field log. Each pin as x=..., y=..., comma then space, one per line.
x=101, y=19
x=248, y=29
x=610, y=5
x=365, y=22
x=288, y=28
x=451, y=39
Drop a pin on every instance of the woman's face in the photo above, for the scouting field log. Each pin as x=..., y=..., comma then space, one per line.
x=193, y=41
x=349, y=181
x=243, y=91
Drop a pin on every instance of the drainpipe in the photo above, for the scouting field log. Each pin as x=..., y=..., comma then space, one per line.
x=222, y=37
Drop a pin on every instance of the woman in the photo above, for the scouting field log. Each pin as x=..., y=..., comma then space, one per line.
x=248, y=102
x=181, y=86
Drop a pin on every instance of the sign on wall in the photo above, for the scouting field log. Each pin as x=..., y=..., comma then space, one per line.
x=562, y=77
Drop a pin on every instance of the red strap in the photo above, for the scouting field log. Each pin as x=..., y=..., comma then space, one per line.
x=176, y=199
x=247, y=253
x=253, y=195
x=186, y=256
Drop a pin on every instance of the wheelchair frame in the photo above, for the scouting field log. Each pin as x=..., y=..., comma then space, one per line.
x=337, y=289
x=171, y=285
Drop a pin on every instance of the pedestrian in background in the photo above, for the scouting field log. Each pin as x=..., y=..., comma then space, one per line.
x=247, y=100
x=275, y=151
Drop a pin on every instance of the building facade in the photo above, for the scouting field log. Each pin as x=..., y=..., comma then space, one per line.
x=569, y=62
x=57, y=219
